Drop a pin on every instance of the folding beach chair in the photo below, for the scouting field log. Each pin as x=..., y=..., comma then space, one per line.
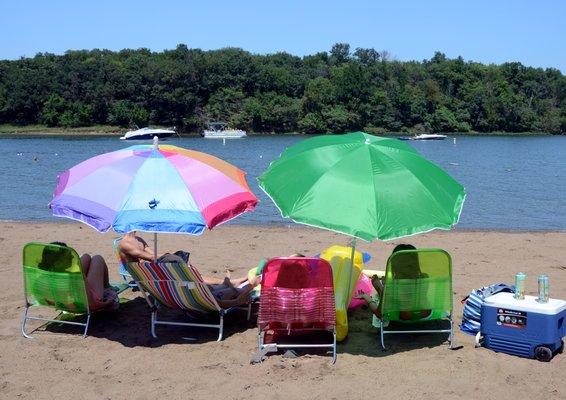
x=53, y=277
x=297, y=296
x=176, y=285
x=417, y=282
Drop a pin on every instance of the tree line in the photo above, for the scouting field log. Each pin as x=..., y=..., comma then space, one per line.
x=336, y=91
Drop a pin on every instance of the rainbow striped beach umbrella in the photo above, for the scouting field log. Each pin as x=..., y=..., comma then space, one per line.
x=152, y=188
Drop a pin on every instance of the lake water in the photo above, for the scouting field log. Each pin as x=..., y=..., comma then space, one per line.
x=513, y=183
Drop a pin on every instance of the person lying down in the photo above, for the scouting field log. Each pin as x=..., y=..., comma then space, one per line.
x=228, y=292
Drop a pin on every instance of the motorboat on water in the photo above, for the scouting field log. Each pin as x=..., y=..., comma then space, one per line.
x=424, y=136
x=148, y=133
x=429, y=136
x=220, y=130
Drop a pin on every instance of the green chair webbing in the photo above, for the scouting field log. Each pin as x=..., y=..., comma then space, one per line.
x=417, y=280
x=58, y=284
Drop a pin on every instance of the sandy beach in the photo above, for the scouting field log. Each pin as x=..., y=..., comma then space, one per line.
x=120, y=360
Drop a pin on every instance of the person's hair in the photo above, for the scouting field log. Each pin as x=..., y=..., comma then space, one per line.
x=139, y=239
x=403, y=246
x=56, y=259
x=406, y=266
x=297, y=255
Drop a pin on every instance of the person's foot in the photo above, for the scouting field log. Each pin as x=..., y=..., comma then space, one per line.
x=226, y=282
x=110, y=299
x=256, y=280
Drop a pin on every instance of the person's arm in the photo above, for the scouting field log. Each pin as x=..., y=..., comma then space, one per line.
x=134, y=251
x=372, y=304
x=377, y=285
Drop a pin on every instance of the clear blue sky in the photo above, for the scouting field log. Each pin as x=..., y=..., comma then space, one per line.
x=532, y=32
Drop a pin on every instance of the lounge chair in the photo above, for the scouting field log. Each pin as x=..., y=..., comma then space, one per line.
x=176, y=285
x=416, y=282
x=53, y=277
x=297, y=296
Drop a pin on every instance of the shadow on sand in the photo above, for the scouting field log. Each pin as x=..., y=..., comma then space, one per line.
x=130, y=326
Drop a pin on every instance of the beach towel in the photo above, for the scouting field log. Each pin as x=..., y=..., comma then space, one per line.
x=471, y=318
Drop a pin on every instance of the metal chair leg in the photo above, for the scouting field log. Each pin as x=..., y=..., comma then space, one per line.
x=381, y=334
x=86, y=325
x=153, y=319
x=221, y=327
x=23, y=326
x=334, y=346
x=259, y=340
x=451, y=337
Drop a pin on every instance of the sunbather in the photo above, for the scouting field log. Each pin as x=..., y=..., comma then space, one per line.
x=100, y=294
x=407, y=268
x=227, y=291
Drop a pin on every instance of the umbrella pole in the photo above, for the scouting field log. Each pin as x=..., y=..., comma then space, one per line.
x=155, y=247
x=353, y=244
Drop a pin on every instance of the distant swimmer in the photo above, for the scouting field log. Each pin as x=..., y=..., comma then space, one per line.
x=35, y=158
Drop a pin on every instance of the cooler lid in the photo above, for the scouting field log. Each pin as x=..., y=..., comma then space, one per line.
x=529, y=304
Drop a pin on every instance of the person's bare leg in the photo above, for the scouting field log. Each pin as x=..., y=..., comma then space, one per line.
x=98, y=259
x=212, y=281
x=96, y=276
x=242, y=294
x=222, y=281
x=85, y=263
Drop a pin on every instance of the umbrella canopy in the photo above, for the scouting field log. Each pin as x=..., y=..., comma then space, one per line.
x=364, y=186
x=152, y=188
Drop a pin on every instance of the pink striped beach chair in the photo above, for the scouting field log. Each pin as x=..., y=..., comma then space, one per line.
x=176, y=285
x=297, y=298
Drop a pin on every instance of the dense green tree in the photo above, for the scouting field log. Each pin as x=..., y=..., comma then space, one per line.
x=52, y=110
x=326, y=92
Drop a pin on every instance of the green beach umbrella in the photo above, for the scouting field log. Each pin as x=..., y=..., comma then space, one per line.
x=364, y=186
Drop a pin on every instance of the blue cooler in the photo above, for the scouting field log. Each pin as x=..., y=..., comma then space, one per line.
x=524, y=328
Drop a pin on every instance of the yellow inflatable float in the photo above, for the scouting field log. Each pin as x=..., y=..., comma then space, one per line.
x=339, y=258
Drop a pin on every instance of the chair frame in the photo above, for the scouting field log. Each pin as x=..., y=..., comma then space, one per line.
x=273, y=347
x=450, y=316
x=26, y=317
x=156, y=305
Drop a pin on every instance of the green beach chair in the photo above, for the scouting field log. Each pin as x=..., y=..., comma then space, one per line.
x=417, y=283
x=53, y=277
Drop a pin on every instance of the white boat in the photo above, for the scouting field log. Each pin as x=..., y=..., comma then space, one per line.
x=428, y=136
x=148, y=133
x=220, y=130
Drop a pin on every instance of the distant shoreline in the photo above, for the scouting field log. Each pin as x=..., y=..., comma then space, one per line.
x=115, y=131
x=293, y=225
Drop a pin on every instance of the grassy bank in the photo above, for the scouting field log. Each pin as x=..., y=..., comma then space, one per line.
x=110, y=130
x=33, y=130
